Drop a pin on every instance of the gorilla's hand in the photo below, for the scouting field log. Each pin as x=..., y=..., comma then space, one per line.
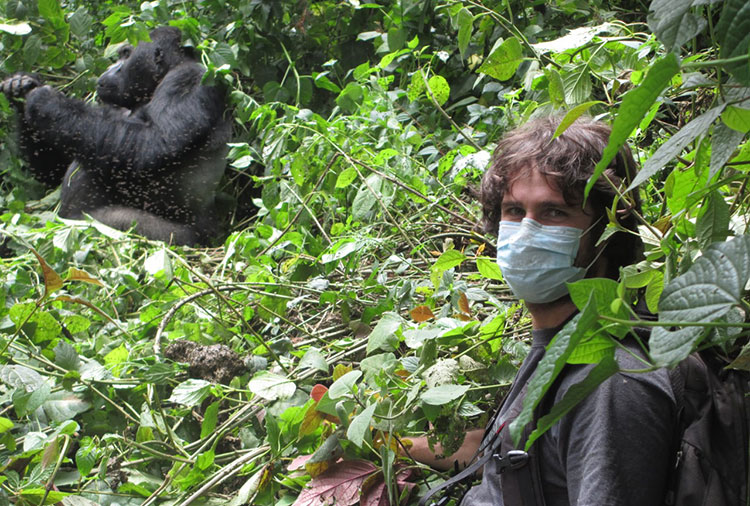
x=18, y=85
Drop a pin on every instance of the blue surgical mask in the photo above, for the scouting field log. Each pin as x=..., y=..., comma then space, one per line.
x=537, y=260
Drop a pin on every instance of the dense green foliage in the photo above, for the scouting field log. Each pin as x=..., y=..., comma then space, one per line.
x=353, y=282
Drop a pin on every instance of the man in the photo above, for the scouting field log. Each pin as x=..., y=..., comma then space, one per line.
x=614, y=447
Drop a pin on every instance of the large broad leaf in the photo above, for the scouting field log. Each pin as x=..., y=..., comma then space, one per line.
x=713, y=225
x=443, y=394
x=724, y=141
x=734, y=26
x=558, y=351
x=360, y=425
x=705, y=293
x=676, y=144
x=339, y=485
x=673, y=23
x=191, y=392
x=62, y=406
x=344, y=385
x=635, y=105
x=383, y=336
x=503, y=61
x=271, y=386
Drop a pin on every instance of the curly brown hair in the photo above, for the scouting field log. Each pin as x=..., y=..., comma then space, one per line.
x=567, y=162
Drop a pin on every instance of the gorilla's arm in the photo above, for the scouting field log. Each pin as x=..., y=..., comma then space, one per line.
x=46, y=163
x=181, y=116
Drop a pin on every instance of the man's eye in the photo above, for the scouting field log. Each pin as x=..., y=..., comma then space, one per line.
x=513, y=211
x=556, y=213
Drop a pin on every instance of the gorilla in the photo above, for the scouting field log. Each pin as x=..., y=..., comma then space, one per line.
x=151, y=155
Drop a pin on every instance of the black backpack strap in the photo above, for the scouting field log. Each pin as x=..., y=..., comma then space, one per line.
x=521, y=471
x=459, y=480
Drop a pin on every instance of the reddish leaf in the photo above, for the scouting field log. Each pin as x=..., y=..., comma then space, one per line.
x=374, y=493
x=421, y=314
x=463, y=304
x=339, y=485
x=318, y=391
x=298, y=462
x=52, y=280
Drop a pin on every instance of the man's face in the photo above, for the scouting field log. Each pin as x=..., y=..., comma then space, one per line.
x=533, y=197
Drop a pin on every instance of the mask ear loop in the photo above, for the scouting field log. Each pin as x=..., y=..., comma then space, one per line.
x=601, y=250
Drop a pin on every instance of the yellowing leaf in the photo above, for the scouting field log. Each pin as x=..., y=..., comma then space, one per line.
x=421, y=314
x=311, y=421
x=463, y=304
x=340, y=370
x=82, y=276
x=52, y=280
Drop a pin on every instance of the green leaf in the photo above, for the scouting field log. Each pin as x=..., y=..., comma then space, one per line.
x=383, y=336
x=734, y=27
x=556, y=88
x=465, y=27
x=554, y=359
x=440, y=89
x=705, y=293
x=51, y=11
x=81, y=22
x=5, y=425
x=737, y=118
x=191, y=392
x=35, y=496
x=62, y=406
x=488, y=268
x=344, y=385
x=346, y=177
x=603, y=291
x=360, y=425
x=673, y=23
x=367, y=197
x=396, y=38
x=713, y=225
x=448, y=260
x=416, y=86
x=210, y=417
x=573, y=115
x=592, y=349
x=314, y=359
x=577, y=84
x=606, y=368
x=159, y=264
x=86, y=456
x=674, y=146
x=443, y=394
x=298, y=168
x=654, y=289
x=271, y=386
x=724, y=142
x=635, y=105
x=503, y=61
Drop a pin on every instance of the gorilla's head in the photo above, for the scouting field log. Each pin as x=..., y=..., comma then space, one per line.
x=133, y=78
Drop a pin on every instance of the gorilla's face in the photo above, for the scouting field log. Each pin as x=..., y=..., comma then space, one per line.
x=132, y=79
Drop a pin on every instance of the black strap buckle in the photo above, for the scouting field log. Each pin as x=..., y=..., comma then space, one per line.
x=514, y=459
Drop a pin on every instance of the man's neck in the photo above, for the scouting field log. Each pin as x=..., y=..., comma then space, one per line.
x=550, y=314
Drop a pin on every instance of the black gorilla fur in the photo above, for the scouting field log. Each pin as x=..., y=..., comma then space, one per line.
x=151, y=155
